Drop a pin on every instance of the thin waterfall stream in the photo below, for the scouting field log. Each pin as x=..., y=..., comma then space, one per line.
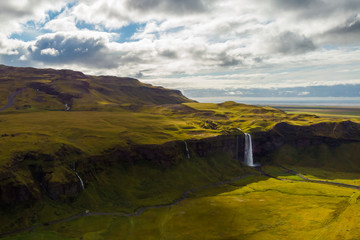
x=78, y=176
x=187, y=150
x=81, y=181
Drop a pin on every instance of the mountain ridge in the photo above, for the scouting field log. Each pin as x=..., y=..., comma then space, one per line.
x=49, y=89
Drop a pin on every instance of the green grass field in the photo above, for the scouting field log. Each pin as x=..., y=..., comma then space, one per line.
x=352, y=178
x=252, y=208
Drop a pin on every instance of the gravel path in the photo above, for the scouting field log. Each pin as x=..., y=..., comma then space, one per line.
x=320, y=181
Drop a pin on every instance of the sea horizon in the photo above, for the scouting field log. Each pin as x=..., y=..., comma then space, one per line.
x=287, y=101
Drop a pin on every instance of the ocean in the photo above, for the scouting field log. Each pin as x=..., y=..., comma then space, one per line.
x=298, y=101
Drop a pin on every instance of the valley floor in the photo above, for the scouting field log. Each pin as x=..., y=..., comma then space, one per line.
x=254, y=207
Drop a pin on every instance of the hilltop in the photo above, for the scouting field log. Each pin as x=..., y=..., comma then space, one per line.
x=49, y=89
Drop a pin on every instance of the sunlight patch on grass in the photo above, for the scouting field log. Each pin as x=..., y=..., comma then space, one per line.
x=263, y=209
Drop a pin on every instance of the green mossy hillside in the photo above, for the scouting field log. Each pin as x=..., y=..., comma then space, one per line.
x=49, y=89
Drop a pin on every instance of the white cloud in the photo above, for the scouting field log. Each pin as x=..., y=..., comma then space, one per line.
x=62, y=24
x=209, y=43
x=110, y=14
x=16, y=13
x=50, y=52
x=11, y=47
x=23, y=58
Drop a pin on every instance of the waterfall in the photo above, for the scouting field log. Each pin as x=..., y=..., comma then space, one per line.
x=78, y=176
x=248, y=153
x=187, y=150
x=81, y=181
x=67, y=107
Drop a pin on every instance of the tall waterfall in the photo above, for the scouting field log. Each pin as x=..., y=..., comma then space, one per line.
x=187, y=150
x=248, y=153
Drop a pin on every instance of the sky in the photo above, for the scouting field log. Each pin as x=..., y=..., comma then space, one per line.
x=189, y=44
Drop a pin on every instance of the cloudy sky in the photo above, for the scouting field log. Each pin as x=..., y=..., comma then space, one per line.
x=189, y=44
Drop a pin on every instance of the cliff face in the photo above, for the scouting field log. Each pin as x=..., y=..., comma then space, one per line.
x=331, y=146
x=41, y=170
x=12, y=191
x=39, y=180
x=346, y=130
x=33, y=175
x=171, y=153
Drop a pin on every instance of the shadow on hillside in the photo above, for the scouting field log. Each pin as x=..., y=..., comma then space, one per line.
x=317, y=161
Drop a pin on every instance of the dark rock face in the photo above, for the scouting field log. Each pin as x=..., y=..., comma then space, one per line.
x=57, y=191
x=36, y=168
x=64, y=98
x=163, y=155
x=225, y=143
x=170, y=153
x=346, y=130
x=11, y=193
x=266, y=142
x=12, y=190
x=331, y=134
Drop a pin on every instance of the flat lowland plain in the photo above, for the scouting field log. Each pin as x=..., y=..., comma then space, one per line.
x=256, y=207
x=323, y=111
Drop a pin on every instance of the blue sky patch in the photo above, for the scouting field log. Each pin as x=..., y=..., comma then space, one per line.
x=128, y=31
x=30, y=33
